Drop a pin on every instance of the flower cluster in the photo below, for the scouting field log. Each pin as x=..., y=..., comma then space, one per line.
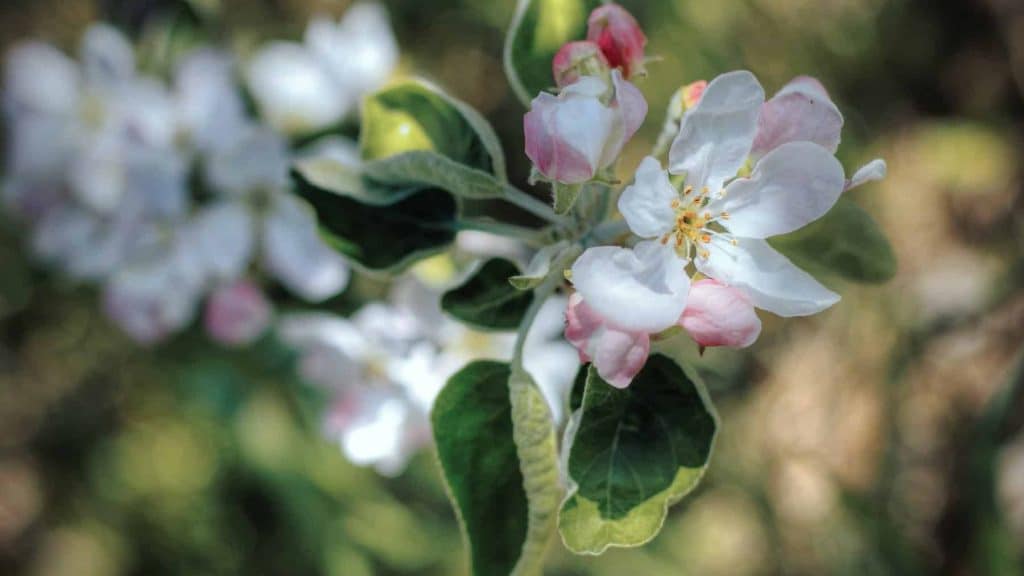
x=164, y=194
x=740, y=170
x=386, y=364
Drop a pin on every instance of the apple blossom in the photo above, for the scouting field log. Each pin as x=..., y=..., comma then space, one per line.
x=251, y=176
x=572, y=136
x=578, y=59
x=620, y=37
x=720, y=227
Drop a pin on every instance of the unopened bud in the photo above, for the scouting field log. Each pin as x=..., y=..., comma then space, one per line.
x=620, y=38
x=577, y=59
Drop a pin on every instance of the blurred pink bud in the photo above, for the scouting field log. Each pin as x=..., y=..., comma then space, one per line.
x=692, y=93
x=718, y=315
x=617, y=354
x=620, y=38
x=577, y=59
x=572, y=136
x=237, y=314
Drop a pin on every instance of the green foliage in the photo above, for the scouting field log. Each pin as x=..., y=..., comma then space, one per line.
x=414, y=115
x=846, y=242
x=487, y=300
x=472, y=420
x=401, y=226
x=539, y=28
x=634, y=452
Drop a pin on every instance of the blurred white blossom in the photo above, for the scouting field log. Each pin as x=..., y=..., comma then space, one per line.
x=301, y=88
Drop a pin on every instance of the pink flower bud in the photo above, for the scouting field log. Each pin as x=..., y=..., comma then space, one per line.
x=692, y=92
x=617, y=354
x=718, y=315
x=237, y=314
x=577, y=59
x=620, y=38
x=572, y=136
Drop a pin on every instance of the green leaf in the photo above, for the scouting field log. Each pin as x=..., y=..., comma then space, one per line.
x=846, y=242
x=539, y=267
x=539, y=28
x=487, y=300
x=431, y=168
x=380, y=228
x=472, y=420
x=414, y=115
x=633, y=453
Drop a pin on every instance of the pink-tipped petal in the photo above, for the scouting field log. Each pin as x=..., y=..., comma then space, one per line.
x=617, y=355
x=717, y=315
x=801, y=111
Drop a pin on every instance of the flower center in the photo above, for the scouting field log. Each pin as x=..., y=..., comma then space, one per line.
x=693, y=223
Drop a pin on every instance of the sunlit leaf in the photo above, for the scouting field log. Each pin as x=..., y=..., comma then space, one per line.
x=414, y=115
x=633, y=453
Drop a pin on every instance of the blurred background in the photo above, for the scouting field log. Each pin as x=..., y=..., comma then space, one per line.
x=885, y=436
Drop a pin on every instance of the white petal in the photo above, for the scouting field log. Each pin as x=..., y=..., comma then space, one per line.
x=257, y=161
x=773, y=282
x=583, y=123
x=647, y=203
x=870, y=172
x=792, y=186
x=293, y=89
x=549, y=358
x=360, y=51
x=295, y=254
x=642, y=290
x=224, y=237
x=40, y=78
x=716, y=135
x=208, y=100
x=107, y=55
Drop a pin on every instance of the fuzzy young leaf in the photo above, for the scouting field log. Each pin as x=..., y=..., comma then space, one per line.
x=846, y=242
x=487, y=300
x=539, y=28
x=415, y=115
x=472, y=420
x=635, y=451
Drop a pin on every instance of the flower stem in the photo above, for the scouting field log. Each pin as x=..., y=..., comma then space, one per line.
x=517, y=197
x=533, y=431
x=532, y=236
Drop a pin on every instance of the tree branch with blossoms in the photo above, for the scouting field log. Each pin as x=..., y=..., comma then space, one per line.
x=583, y=419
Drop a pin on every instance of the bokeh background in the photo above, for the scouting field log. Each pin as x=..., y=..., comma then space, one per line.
x=885, y=436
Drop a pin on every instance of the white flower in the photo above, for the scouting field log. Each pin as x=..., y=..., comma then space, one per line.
x=301, y=88
x=719, y=220
x=256, y=210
